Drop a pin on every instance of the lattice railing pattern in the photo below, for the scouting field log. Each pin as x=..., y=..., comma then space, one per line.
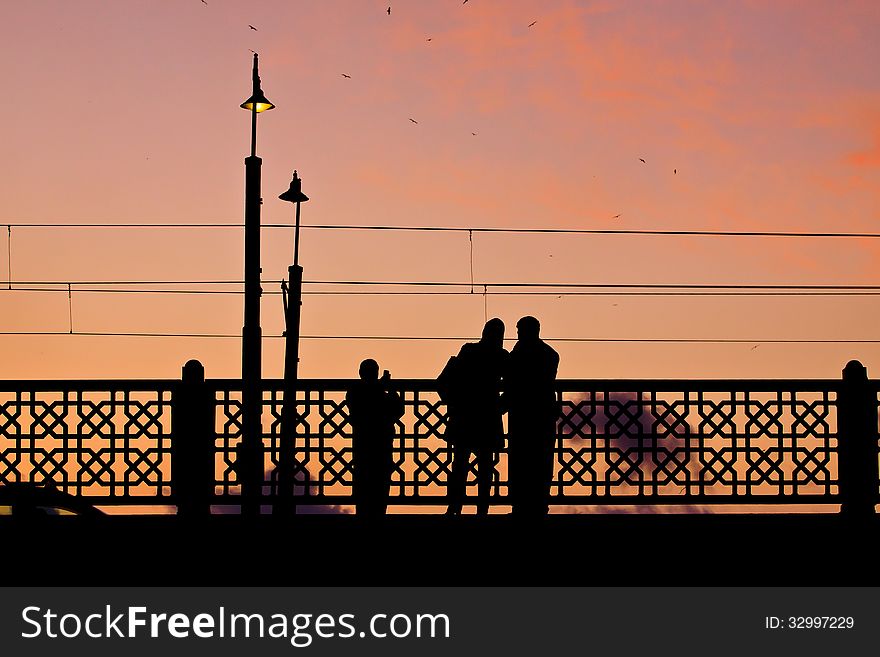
x=698, y=440
x=323, y=442
x=652, y=442
x=107, y=439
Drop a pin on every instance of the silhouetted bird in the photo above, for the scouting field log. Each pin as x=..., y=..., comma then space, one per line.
x=532, y=23
x=642, y=161
x=389, y=11
x=204, y=3
x=674, y=171
x=617, y=216
x=414, y=121
x=474, y=134
x=252, y=27
x=427, y=39
x=346, y=76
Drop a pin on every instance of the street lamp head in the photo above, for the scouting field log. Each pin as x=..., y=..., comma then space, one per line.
x=257, y=102
x=294, y=193
x=258, y=99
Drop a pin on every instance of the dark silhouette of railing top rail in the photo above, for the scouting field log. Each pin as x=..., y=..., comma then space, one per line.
x=618, y=441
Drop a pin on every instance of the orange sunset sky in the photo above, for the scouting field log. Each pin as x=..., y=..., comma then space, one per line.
x=128, y=111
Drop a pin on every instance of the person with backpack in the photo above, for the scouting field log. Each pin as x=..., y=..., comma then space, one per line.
x=470, y=384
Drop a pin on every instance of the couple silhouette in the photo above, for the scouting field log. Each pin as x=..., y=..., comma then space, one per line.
x=478, y=386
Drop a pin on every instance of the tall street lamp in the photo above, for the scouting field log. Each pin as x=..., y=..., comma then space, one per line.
x=250, y=456
x=292, y=306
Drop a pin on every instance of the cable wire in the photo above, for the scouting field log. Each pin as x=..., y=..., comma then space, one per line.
x=9, y=255
x=485, y=229
x=504, y=285
x=446, y=338
x=485, y=293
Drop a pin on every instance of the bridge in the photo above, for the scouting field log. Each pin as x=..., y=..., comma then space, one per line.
x=619, y=442
x=626, y=451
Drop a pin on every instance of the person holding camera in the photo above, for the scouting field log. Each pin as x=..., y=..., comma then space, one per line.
x=374, y=410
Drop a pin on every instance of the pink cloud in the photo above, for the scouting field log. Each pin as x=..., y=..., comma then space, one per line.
x=869, y=157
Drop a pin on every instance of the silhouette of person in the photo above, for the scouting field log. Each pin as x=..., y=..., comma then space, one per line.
x=471, y=391
x=530, y=399
x=373, y=411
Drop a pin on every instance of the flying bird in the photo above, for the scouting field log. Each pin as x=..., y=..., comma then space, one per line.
x=532, y=23
x=204, y=3
x=474, y=134
x=252, y=27
x=617, y=216
x=414, y=121
x=464, y=3
x=427, y=39
x=346, y=76
x=642, y=161
x=674, y=171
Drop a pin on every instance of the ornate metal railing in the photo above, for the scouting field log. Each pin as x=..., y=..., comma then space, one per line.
x=104, y=439
x=618, y=442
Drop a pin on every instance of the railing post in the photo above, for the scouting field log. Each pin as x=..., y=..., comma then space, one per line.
x=857, y=442
x=192, y=443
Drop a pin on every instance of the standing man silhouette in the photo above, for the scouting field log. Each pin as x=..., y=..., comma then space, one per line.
x=530, y=398
x=471, y=386
x=373, y=410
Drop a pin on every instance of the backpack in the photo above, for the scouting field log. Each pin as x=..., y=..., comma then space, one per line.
x=448, y=379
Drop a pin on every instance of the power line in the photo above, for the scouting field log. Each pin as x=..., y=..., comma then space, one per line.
x=141, y=282
x=9, y=255
x=443, y=338
x=649, y=286
x=95, y=224
x=485, y=229
x=471, y=249
x=589, y=231
x=504, y=285
x=485, y=292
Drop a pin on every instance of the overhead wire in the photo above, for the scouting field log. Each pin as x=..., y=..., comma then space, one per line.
x=486, y=293
x=504, y=285
x=481, y=229
x=237, y=336
x=506, y=288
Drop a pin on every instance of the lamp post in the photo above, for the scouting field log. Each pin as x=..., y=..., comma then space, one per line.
x=250, y=455
x=286, y=479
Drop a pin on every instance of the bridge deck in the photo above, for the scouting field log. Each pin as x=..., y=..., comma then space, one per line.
x=607, y=549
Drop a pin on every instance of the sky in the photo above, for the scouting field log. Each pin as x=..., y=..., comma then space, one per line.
x=749, y=116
